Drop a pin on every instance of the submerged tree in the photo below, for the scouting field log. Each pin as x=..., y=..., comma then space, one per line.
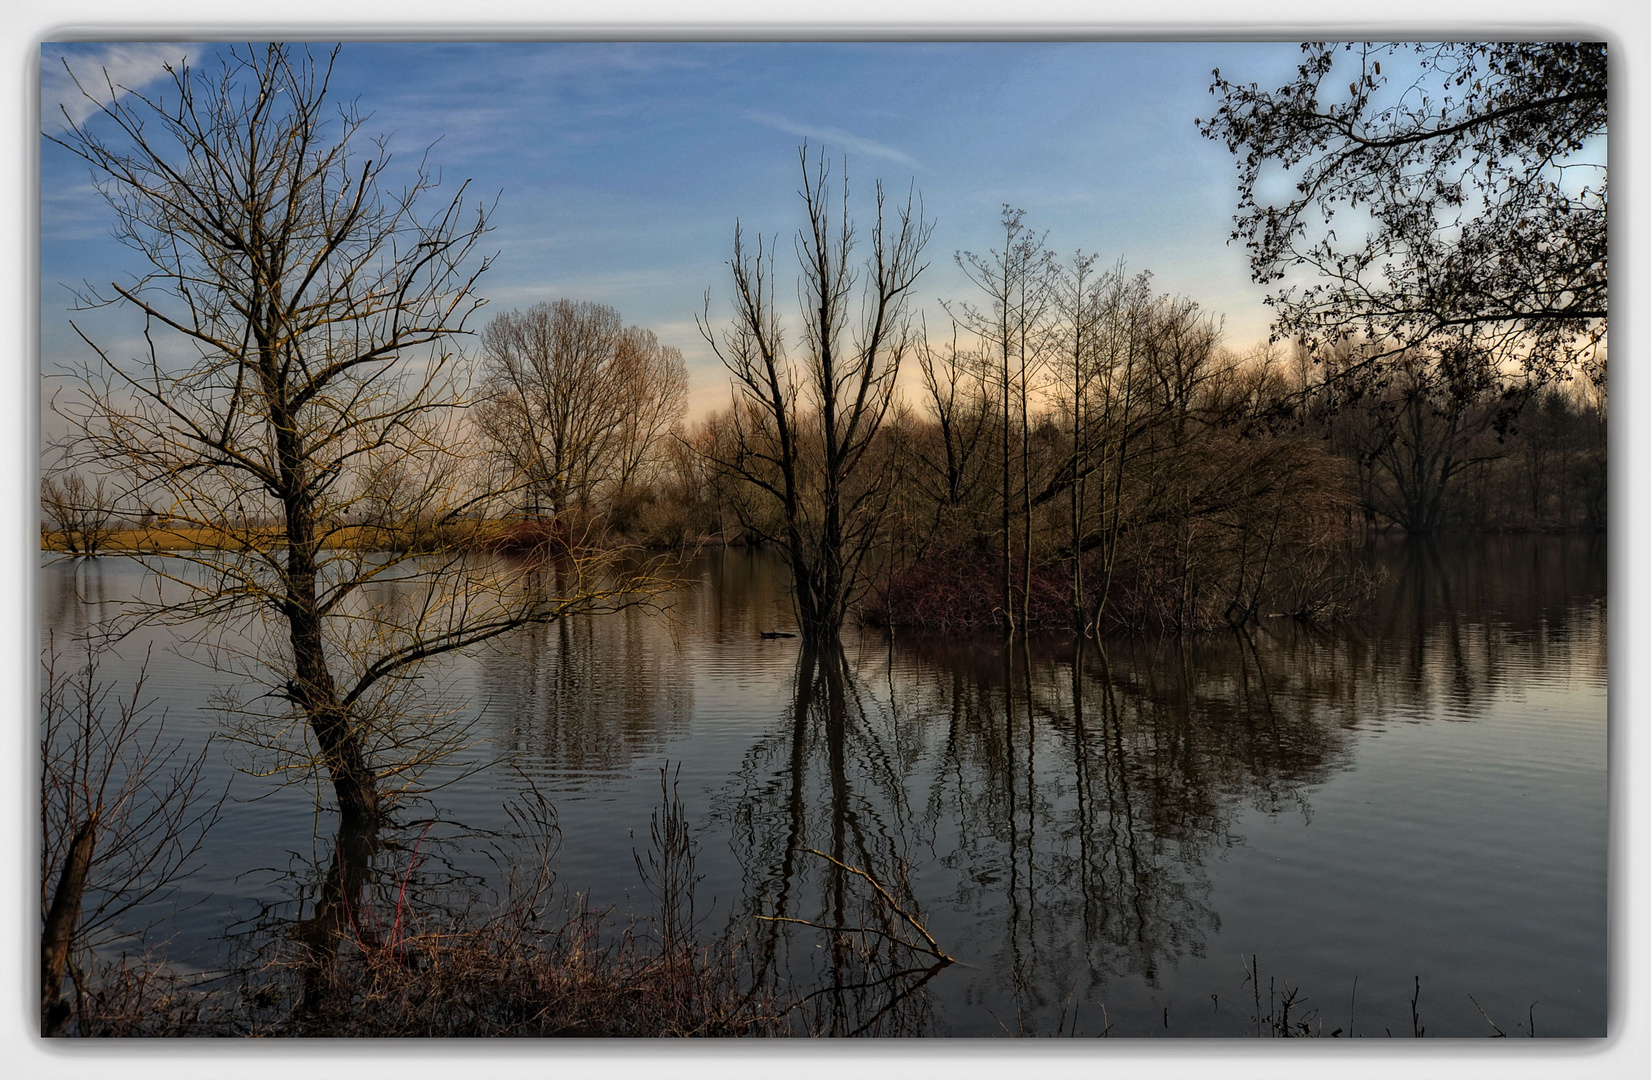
x=1479, y=167
x=297, y=394
x=806, y=431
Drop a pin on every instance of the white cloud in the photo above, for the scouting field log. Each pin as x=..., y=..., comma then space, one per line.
x=127, y=65
x=838, y=136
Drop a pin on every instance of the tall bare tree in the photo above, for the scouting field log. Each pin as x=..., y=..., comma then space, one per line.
x=807, y=429
x=1016, y=282
x=299, y=302
x=1078, y=303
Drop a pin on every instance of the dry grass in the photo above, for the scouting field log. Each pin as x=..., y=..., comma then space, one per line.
x=513, y=977
x=243, y=538
x=505, y=976
x=394, y=965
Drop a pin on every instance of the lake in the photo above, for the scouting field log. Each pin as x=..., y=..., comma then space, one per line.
x=1408, y=811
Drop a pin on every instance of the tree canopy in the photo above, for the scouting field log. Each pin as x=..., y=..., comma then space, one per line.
x=1457, y=197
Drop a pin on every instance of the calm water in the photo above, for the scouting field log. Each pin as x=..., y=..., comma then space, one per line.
x=1104, y=834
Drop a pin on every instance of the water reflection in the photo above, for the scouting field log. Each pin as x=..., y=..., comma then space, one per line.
x=1056, y=805
x=1075, y=821
x=1072, y=793
x=1064, y=800
x=584, y=696
x=825, y=836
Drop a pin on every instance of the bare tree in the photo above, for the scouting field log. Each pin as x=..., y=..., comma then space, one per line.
x=577, y=402
x=1434, y=413
x=1414, y=435
x=83, y=514
x=654, y=389
x=1079, y=304
x=1015, y=280
x=807, y=431
x=1113, y=420
x=957, y=398
x=299, y=305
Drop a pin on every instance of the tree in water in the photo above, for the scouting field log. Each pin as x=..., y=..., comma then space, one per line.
x=294, y=408
x=807, y=430
x=1017, y=282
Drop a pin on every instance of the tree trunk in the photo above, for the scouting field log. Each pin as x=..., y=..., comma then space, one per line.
x=316, y=694
x=59, y=931
x=337, y=908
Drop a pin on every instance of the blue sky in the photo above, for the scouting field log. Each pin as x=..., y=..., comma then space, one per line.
x=620, y=169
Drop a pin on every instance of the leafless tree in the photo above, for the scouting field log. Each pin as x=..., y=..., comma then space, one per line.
x=1434, y=414
x=1077, y=355
x=1016, y=282
x=957, y=399
x=82, y=515
x=807, y=429
x=1413, y=436
x=577, y=402
x=299, y=303
x=654, y=383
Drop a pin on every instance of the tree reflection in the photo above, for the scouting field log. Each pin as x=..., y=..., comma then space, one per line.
x=825, y=834
x=1069, y=794
x=1051, y=812
x=587, y=695
x=333, y=915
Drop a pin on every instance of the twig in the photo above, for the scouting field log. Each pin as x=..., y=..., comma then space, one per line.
x=898, y=998
x=1351, y=1005
x=1500, y=1034
x=401, y=897
x=934, y=946
x=1255, y=982
x=857, y=930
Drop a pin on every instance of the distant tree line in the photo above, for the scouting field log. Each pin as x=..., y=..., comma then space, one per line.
x=1074, y=449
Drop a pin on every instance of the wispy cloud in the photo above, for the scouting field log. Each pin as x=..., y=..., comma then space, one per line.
x=127, y=65
x=846, y=140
